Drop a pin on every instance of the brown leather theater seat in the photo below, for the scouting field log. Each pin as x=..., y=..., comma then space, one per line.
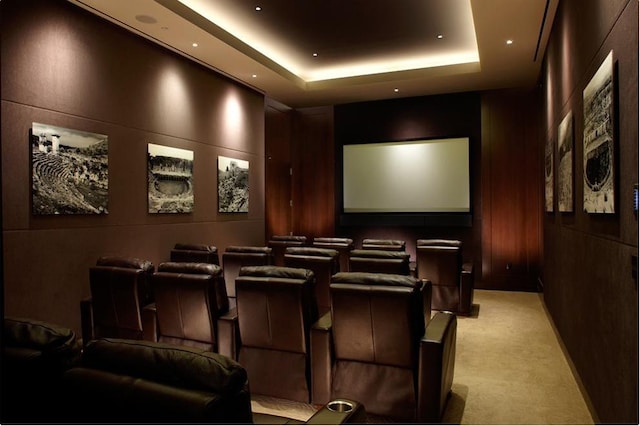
x=323, y=262
x=279, y=244
x=199, y=253
x=383, y=244
x=275, y=310
x=374, y=348
x=235, y=257
x=382, y=261
x=342, y=245
x=119, y=289
x=189, y=299
x=440, y=261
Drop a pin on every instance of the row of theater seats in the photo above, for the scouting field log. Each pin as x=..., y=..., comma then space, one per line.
x=277, y=330
x=437, y=260
x=49, y=379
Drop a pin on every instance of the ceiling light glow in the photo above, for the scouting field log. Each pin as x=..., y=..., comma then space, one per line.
x=440, y=36
x=509, y=42
x=258, y=8
x=195, y=44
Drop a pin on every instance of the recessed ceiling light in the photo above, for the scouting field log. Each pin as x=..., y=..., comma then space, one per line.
x=315, y=55
x=258, y=8
x=164, y=28
x=195, y=44
x=440, y=36
x=396, y=90
x=509, y=41
x=254, y=75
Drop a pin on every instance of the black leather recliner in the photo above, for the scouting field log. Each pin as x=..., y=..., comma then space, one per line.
x=131, y=381
x=342, y=244
x=35, y=354
x=381, y=261
x=279, y=244
x=198, y=253
x=323, y=262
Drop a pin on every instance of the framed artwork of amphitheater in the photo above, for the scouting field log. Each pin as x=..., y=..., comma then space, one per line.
x=170, y=179
x=233, y=185
x=69, y=171
x=598, y=140
x=565, y=164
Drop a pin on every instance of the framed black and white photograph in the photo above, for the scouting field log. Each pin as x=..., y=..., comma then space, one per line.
x=598, y=140
x=170, y=177
x=70, y=171
x=565, y=164
x=548, y=176
x=233, y=185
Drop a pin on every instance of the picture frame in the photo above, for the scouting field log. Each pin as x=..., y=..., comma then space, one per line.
x=548, y=176
x=564, y=155
x=170, y=179
x=233, y=185
x=69, y=171
x=599, y=140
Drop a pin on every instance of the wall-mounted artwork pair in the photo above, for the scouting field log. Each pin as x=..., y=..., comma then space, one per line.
x=69, y=171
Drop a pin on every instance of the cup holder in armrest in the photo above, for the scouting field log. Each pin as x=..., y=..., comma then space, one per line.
x=340, y=406
x=339, y=411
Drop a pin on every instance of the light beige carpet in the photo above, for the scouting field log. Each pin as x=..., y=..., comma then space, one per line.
x=510, y=369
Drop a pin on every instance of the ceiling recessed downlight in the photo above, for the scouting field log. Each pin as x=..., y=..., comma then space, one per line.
x=509, y=42
x=146, y=19
x=194, y=44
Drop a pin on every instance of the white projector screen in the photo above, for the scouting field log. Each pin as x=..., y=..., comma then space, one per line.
x=422, y=176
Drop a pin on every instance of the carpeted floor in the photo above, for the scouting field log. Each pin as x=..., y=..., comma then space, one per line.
x=510, y=369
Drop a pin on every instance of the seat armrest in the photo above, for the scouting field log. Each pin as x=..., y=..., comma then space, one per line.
x=150, y=323
x=86, y=320
x=436, y=366
x=321, y=360
x=338, y=412
x=466, y=289
x=229, y=334
x=426, y=300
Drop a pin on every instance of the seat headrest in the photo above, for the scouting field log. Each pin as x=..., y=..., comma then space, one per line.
x=383, y=242
x=439, y=242
x=248, y=249
x=298, y=238
x=126, y=262
x=311, y=251
x=277, y=272
x=380, y=254
x=33, y=334
x=195, y=247
x=190, y=268
x=375, y=279
x=333, y=240
x=180, y=366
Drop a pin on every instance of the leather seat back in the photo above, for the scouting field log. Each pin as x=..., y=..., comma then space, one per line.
x=383, y=244
x=323, y=262
x=440, y=261
x=198, y=253
x=190, y=297
x=235, y=257
x=342, y=245
x=279, y=243
x=381, y=261
x=119, y=289
x=276, y=308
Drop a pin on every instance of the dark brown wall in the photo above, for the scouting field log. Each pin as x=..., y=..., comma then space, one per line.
x=64, y=66
x=502, y=126
x=590, y=273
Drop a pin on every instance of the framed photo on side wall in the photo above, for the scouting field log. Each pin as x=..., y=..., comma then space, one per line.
x=548, y=176
x=565, y=164
x=233, y=185
x=170, y=179
x=598, y=140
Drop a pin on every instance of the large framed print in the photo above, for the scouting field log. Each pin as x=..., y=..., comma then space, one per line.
x=598, y=140
x=548, y=176
x=233, y=185
x=69, y=170
x=170, y=179
x=565, y=164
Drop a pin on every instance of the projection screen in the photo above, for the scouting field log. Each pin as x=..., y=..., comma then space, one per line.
x=421, y=176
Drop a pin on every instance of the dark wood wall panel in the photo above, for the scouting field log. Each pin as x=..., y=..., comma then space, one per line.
x=590, y=260
x=64, y=66
x=313, y=172
x=511, y=232
x=278, y=129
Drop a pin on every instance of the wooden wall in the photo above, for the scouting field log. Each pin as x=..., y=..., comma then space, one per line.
x=502, y=126
x=63, y=66
x=590, y=260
